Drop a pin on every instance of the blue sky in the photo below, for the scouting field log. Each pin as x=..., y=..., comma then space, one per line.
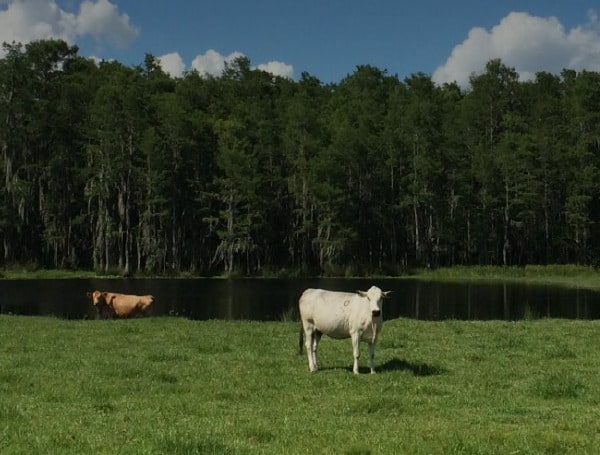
x=326, y=38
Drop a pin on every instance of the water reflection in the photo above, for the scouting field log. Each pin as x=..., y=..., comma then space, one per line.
x=273, y=299
x=477, y=301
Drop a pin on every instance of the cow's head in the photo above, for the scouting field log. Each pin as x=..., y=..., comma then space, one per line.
x=98, y=298
x=375, y=298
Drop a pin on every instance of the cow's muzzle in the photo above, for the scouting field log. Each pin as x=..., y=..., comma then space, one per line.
x=376, y=313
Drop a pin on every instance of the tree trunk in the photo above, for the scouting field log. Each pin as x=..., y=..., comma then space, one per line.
x=415, y=204
x=506, y=245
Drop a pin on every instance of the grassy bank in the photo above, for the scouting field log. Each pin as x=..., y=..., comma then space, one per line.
x=568, y=275
x=174, y=386
x=17, y=273
x=563, y=275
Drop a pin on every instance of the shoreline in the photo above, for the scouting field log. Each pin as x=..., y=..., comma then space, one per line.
x=585, y=277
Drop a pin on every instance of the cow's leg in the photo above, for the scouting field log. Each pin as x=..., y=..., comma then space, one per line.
x=355, y=350
x=315, y=344
x=309, y=333
x=372, y=357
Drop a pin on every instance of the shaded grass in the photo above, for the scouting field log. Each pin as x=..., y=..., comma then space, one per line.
x=566, y=275
x=584, y=277
x=33, y=273
x=170, y=385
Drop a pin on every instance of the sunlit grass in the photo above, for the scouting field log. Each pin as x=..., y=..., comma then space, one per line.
x=171, y=385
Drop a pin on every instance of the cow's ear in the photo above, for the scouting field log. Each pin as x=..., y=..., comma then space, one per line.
x=387, y=293
x=361, y=293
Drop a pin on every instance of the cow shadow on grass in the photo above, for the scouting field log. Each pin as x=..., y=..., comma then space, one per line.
x=419, y=369
x=416, y=368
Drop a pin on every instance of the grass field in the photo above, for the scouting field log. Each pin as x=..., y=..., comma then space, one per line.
x=175, y=386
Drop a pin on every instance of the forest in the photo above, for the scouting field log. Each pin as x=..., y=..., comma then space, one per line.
x=109, y=167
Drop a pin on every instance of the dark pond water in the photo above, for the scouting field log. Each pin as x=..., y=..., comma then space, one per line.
x=274, y=299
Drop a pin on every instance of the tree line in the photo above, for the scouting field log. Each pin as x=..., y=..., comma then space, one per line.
x=111, y=167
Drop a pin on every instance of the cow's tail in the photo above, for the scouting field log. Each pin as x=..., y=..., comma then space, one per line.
x=300, y=340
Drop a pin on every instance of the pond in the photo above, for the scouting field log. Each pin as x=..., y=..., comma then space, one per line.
x=276, y=299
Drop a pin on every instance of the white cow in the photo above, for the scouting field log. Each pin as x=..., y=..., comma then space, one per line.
x=341, y=315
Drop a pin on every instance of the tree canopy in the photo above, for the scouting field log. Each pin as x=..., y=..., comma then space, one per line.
x=110, y=167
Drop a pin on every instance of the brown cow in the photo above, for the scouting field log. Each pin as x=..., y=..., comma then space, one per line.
x=111, y=304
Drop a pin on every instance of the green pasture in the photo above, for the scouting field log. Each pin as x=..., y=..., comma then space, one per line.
x=173, y=386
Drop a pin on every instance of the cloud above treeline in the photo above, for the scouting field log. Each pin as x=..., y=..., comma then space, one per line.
x=527, y=43
x=213, y=63
x=23, y=21
x=521, y=40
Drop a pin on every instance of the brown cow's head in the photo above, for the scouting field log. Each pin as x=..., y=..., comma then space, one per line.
x=98, y=298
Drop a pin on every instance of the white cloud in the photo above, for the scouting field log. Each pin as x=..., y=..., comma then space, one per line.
x=278, y=69
x=23, y=21
x=213, y=63
x=28, y=20
x=527, y=43
x=172, y=64
x=101, y=19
